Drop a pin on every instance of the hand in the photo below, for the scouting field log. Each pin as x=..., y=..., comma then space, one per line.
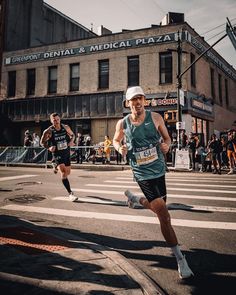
x=52, y=149
x=164, y=147
x=122, y=150
x=71, y=143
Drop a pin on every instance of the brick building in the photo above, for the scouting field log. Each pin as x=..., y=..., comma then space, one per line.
x=85, y=79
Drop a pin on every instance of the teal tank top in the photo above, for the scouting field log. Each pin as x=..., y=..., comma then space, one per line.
x=143, y=145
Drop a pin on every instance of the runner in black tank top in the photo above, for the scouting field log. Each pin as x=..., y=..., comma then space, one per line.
x=57, y=139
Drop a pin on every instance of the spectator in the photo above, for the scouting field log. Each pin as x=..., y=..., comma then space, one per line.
x=216, y=150
x=231, y=152
x=79, y=152
x=192, y=150
x=88, y=142
x=36, y=140
x=225, y=160
x=107, y=149
x=183, y=139
x=173, y=148
x=28, y=140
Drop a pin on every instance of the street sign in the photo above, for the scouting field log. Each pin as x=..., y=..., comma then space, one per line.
x=181, y=97
x=180, y=125
x=231, y=32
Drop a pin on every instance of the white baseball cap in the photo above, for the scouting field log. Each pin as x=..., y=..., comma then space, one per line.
x=133, y=91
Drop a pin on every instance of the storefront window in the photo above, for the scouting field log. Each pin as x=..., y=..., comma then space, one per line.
x=199, y=125
x=204, y=127
x=194, y=124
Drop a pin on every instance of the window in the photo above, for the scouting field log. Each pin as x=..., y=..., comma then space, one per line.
x=226, y=93
x=74, y=77
x=52, y=80
x=133, y=71
x=11, y=87
x=103, y=74
x=220, y=88
x=193, y=71
x=165, y=67
x=212, y=84
x=30, y=82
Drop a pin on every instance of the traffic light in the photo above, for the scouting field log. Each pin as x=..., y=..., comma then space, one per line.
x=170, y=116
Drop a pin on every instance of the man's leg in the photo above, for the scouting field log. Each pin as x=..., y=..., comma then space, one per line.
x=158, y=206
x=65, y=171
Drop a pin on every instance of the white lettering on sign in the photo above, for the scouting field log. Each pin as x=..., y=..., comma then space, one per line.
x=112, y=45
x=90, y=49
x=168, y=101
x=58, y=53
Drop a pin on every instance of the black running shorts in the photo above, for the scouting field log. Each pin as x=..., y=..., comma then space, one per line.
x=63, y=158
x=154, y=188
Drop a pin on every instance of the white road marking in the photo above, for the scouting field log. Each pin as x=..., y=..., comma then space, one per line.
x=93, y=200
x=121, y=217
x=187, y=179
x=170, y=206
x=169, y=188
x=178, y=184
x=121, y=193
x=16, y=177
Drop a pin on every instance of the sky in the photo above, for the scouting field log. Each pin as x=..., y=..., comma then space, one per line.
x=208, y=18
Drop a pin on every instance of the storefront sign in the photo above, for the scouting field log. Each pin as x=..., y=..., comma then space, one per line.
x=219, y=62
x=154, y=102
x=202, y=106
x=132, y=43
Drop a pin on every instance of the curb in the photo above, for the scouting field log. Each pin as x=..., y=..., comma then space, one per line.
x=92, y=167
x=147, y=286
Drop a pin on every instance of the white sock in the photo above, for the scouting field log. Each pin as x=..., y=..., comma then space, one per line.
x=178, y=254
x=132, y=196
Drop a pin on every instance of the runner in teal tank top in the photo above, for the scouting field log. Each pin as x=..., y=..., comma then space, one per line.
x=144, y=151
x=147, y=139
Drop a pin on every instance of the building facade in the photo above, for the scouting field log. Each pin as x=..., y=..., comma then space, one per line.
x=85, y=80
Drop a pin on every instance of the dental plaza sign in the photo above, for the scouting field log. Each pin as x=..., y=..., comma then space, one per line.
x=131, y=43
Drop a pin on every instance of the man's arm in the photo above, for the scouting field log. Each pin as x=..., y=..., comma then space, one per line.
x=45, y=137
x=118, y=136
x=71, y=134
x=160, y=126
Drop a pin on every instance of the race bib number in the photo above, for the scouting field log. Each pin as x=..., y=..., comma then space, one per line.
x=61, y=145
x=147, y=156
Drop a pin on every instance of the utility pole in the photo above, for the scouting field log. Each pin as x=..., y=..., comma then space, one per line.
x=179, y=86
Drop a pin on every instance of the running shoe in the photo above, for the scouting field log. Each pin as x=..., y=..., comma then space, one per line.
x=72, y=197
x=54, y=167
x=183, y=269
x=133, y=200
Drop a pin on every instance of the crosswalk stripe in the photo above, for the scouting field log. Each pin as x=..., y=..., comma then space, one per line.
x=16, y=177
x=186, y=179
x=178, y=184
x=169, y=188
x=121, y=193
x=170, y=206
x=121, y=217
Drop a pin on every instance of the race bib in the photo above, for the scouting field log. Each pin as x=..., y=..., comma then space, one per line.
x=62, y=145
x=147, y=156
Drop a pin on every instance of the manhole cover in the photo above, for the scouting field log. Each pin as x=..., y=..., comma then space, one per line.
x=29, y=183
x=86, y=176
x=26, y=199
x=5, y=190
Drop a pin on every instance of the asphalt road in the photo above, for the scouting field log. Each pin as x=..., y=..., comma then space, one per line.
x=202, y=207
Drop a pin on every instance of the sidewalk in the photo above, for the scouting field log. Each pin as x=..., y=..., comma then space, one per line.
x=38, y=259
